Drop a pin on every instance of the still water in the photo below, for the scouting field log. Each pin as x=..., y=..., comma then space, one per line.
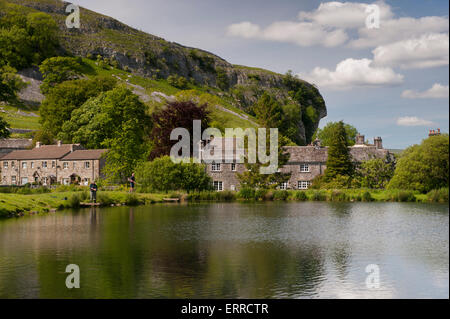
x=231, y=250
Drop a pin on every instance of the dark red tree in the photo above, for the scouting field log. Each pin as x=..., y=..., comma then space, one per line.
x=173, y=115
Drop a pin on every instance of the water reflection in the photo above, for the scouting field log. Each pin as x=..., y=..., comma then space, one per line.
x=267, y=250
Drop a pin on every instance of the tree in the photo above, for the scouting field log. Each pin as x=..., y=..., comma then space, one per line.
x=252, y=177
x=268, y=111
x=10, y=84
x=325, y=134
x=222, y=79
x=4, y=132
x=423, y=167
x=376, y=173
x=162, y=174
x=290, y=126
x=15, y=47
x=43, y=35
x=57, y=70
x=116, y=120
x=173, y=115
x=65, y=97
x=339, y=160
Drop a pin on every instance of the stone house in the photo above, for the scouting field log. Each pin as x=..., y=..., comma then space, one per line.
x=52, y=164
x=305, y=163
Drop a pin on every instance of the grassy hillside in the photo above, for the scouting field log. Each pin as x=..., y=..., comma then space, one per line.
x=151, y=60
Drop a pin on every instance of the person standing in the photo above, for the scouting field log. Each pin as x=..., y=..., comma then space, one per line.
x=132, y=181
x=93, y=187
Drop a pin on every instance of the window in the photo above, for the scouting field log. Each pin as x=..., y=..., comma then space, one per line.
x=44, y=164
x=24, y=165
x=65, y=165
x=44, y=180
x=284, y=185
x=5, y=164
x=32, y=164
x=233, y=187
x=86, y=181
x=215, y=167
x=13, y=180
x=74, y=165
x=24, y=180
x=304, y=168
x=53, y=164
x=13, y=164
x=218, y=186
x=87, y=164
x=233, y=167
x=303, y=184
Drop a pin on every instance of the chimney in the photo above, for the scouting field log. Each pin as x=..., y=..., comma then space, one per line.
x=38, y=144
x=360, y=139
x=59, y=143
x=378, y=142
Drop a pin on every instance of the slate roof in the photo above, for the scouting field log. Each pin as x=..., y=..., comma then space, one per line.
x=42, y=152
x=305, y=154
x=84, y=155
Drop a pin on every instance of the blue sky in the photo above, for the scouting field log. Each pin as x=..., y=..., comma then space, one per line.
x=390, y=81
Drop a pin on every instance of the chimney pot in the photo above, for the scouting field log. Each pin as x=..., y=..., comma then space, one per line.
x=59, y=143
x=38, y=144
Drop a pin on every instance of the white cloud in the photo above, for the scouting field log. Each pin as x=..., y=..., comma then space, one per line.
x=353, y=73
x=299, y=33
x=244, y=29
x=429, y=50
x=343, y=14
x=437, y=91
x=413, y=121
x=394, y=30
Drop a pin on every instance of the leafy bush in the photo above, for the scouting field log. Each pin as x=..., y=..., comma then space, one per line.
x=300, y=196
x=247, y=193
x=132, y=200
x=338, y=196
x=438, y=195
x=319, y=196
x=74, y=201
x=104, y=199
x=280, y=195
x=260, y=194
x=366, y=197
x=403, y=196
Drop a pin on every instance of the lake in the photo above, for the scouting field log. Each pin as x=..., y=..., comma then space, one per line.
x=231, y=250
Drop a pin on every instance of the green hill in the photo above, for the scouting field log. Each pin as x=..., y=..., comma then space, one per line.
x=150, y=64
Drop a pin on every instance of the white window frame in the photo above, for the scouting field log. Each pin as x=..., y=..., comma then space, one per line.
x=65, y=165
x=44, y=164
x=216, y=167
x=218, y=186
x=24, y=165
x=32, y=164
x=24, y=180
x=13, y=164
x=13, y=180
x=284, y=186
x=5, y=164
x=87, y=165
x=303, y=184
x=233, y=167
x=304, y=168
x=53, y=164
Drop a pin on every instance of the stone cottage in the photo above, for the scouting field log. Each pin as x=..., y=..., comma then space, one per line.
x=305, y=163
x=50, y=164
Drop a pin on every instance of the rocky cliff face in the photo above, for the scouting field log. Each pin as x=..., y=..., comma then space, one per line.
x=151, y=56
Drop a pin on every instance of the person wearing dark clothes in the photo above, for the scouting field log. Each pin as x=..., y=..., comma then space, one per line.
x=93, y=187
x=132, y=181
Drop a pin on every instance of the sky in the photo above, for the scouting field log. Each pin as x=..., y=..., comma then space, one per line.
x=381, y=66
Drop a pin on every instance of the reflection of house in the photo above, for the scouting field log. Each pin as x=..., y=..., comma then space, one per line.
x=50, y=164
x=305, y=163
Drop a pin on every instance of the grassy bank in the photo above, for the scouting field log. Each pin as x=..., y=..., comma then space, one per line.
x=343, y=195
x=39, y=201
x=14, y=204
